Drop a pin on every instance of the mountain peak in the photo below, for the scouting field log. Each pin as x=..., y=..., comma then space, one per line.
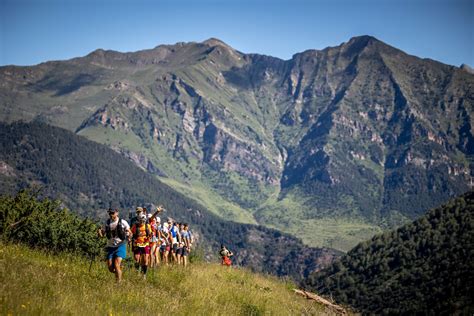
x=216, y=42
x=358, y=44
x=221, y=48
x=364, y=39
x=100, y=52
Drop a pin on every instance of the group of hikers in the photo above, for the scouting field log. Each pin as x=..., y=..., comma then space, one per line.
x=152, y=242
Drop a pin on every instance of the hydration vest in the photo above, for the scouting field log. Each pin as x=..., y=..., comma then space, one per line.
x=141, y=241
x=118, y=232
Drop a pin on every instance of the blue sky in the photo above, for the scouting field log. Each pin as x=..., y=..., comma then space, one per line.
x=33, y=31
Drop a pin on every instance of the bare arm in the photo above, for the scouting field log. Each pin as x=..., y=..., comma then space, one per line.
x=159, y=209
x=101, y=232
x=129, y=234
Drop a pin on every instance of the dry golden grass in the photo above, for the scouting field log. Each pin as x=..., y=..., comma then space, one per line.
x=36, y=283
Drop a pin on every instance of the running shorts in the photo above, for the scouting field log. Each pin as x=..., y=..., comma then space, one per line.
x=115, y=252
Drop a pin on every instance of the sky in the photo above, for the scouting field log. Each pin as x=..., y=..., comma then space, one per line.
x=35, y=31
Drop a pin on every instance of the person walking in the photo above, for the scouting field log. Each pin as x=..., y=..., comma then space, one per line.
x=141, y=231
x=174, y=239
x=225, y=256
x=186, y=244
x=117, y=232
x=141, y=212
x=133, y=221
x=165, y=243
x=154, y=241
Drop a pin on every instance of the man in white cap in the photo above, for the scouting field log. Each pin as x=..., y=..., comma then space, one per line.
x=140, y=212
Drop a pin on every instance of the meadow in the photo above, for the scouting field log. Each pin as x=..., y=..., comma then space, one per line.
x=35, y=282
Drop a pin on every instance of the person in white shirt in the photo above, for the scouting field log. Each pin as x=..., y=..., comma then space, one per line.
x=117, y=232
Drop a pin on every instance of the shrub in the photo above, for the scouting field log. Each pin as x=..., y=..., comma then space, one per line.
x=44, y=224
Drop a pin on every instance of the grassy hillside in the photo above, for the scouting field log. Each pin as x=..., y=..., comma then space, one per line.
x=34, y=282
x=426, y=267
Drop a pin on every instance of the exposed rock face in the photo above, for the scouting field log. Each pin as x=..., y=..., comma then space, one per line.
x=360, y=130
x=141, y=161
x=222, y=150
x=6, y=169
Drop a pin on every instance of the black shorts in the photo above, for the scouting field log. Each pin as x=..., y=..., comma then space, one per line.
x=175, y=248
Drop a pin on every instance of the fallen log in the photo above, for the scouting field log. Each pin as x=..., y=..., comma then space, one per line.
x=311, y=296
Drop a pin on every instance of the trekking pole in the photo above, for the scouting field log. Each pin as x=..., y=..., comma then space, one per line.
x=99, y=235
x=92, y=260
x=129, y=258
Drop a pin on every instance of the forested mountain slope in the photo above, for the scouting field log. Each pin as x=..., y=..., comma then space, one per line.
x=426, y=267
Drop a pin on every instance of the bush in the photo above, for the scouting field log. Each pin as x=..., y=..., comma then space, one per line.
x=44, y=224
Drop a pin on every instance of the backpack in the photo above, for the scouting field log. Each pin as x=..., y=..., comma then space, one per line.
x=225, y=253
x=118, y=232
x=173, y=231
x=137, y=230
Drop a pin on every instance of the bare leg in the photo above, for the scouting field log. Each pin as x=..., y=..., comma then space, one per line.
x=118, y=269
x=165, y=257
x=152, y=256
x=110, y=265
x=144, y=263
x=173, y=254
x=157, y=256
x=136, y=257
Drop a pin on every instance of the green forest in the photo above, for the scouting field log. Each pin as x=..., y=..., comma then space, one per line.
x=426, y=267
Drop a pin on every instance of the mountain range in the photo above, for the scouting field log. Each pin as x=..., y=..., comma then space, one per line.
x=331, y=146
